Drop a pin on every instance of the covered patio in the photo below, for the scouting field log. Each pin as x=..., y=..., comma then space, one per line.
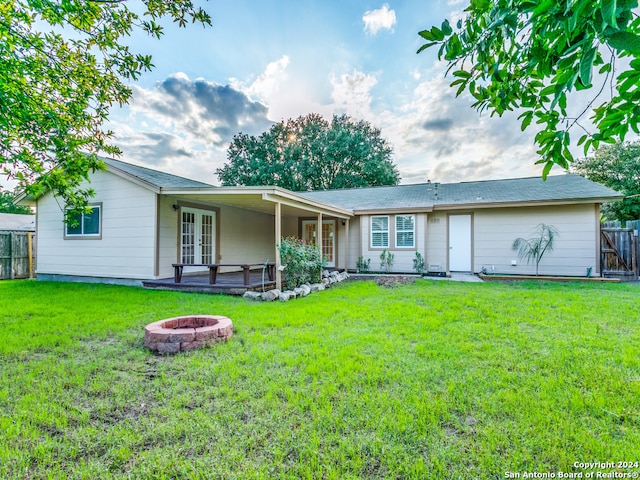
x=218, y=239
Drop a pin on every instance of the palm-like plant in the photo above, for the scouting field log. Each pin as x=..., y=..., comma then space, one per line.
x=533, y=249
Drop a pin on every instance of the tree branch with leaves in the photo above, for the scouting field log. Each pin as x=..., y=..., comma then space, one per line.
x=63, y=65
x=618, y=167
x=529, y=55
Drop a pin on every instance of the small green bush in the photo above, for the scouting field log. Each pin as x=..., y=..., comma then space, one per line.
x=386, y=261
x=303, y=262
x=363, y=265
x=418, y=264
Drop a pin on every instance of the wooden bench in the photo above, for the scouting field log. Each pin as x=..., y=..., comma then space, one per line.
x=178, y=268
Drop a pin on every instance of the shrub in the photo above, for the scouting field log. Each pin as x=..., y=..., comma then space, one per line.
x=363, y=265
x=533, y=249
x=418, y=264
x=386, y=261
x=303, y=262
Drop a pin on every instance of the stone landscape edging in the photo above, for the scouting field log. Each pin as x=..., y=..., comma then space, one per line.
x=328, y=279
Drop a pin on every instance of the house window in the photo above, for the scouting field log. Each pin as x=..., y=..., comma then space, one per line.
x=85, y=224
x=380, y=232
x=405, y=231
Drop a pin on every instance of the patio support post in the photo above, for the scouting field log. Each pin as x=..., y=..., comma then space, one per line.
x=346, y=244
x=319, y=233
x=278, y=221
x=319, y=236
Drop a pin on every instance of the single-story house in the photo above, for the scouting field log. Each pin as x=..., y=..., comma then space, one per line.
x=143, y=221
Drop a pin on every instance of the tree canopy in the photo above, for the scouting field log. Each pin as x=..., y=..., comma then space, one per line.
x=618, y=167
x=63, y=65
x=529, y=55
x=311, y=153
x=7, y=205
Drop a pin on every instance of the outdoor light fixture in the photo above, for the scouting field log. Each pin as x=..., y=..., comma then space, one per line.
x=176, y=207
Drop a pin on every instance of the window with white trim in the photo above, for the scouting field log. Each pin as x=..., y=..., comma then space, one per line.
x=84, y=224
x=405, y=231
x=380, y=232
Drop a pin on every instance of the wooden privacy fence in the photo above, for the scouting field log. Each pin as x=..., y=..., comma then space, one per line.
x=619, y=250
x=16, y=254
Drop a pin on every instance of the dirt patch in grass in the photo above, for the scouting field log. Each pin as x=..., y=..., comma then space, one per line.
x=394, y=281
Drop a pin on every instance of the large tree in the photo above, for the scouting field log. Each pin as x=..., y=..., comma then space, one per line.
x=311, y=153
x=529, y=55
x=63, y=64
x=618, y=167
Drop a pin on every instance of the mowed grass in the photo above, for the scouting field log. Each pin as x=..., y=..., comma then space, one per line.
x=430, y=380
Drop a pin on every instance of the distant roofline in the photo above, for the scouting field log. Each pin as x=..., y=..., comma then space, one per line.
x=444, y=183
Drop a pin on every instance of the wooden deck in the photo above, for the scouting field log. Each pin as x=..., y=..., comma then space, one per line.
x=231, y=283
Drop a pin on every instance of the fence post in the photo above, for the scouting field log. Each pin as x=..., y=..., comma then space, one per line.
x=30, y=250
x=12, y=272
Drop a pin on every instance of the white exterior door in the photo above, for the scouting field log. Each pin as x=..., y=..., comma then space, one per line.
x=309, y=229
x=197, y=236
x=460, y=243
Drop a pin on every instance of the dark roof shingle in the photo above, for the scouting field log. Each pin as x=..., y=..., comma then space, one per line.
x=155, y=177
x=567, y=187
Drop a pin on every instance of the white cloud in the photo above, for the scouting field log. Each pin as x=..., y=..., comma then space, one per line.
x=184, y=126
x=380, y=19
x=440, y=137
x=204, y=111
x=351, y=94
x=269, y=82
x=434, y=134
x=287, y=95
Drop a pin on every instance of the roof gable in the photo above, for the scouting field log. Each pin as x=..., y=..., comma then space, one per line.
x=17, y=221
x=153, y=178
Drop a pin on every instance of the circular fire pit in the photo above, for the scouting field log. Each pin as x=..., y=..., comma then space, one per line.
x=186, y=333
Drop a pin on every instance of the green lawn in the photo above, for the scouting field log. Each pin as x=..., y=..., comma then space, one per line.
x=431, y=380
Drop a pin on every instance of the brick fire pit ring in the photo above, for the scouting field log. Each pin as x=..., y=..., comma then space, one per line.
x=173, y=335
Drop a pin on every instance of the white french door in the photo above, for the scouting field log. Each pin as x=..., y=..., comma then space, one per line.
x=309, y=235
x=197, y=236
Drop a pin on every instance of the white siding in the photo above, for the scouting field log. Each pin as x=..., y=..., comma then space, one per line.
x=574, y=248
x=126, y=249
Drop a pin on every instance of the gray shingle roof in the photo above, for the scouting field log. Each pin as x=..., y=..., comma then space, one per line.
x=154, y=177
x=567, y=187
x=17, y=221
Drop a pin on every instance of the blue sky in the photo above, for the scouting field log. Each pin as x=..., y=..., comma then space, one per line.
x=271, y=60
